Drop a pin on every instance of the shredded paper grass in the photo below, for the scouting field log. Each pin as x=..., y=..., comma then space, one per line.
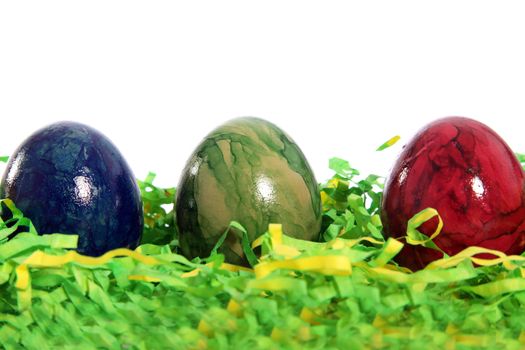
x=344, y=292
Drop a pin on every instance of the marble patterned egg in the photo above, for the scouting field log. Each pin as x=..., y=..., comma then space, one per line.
x=250, y=171
x=69, y=178
x=464, y=170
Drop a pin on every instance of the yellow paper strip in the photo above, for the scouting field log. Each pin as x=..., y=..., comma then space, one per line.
x=330, y=264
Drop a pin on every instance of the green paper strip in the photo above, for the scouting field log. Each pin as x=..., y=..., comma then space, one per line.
x=389, y=143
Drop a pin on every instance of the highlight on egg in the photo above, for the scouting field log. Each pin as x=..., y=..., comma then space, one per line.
x=69, y=178
x=250, y=171
x=465, y=171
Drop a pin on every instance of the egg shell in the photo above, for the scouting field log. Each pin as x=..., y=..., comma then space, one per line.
x=250, y=171
x=69, y=178
x=464, y=170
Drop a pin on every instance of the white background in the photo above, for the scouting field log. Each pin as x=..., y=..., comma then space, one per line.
x=339, y=77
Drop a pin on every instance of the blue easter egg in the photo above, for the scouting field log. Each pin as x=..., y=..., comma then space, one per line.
x=69, y=178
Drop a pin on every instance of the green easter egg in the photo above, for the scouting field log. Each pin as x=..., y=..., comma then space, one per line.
x=250, y=171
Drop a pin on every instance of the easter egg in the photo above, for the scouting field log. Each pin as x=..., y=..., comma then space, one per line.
x=250, y=171
x=69, y=178
x=465, y=171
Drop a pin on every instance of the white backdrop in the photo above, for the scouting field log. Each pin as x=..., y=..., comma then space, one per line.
x=340, y=77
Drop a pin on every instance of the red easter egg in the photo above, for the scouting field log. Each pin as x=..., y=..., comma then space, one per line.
x=465, y=171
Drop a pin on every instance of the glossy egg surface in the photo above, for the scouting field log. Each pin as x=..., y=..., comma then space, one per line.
x=250, y=171
x=69, y=178
x=463, y=169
